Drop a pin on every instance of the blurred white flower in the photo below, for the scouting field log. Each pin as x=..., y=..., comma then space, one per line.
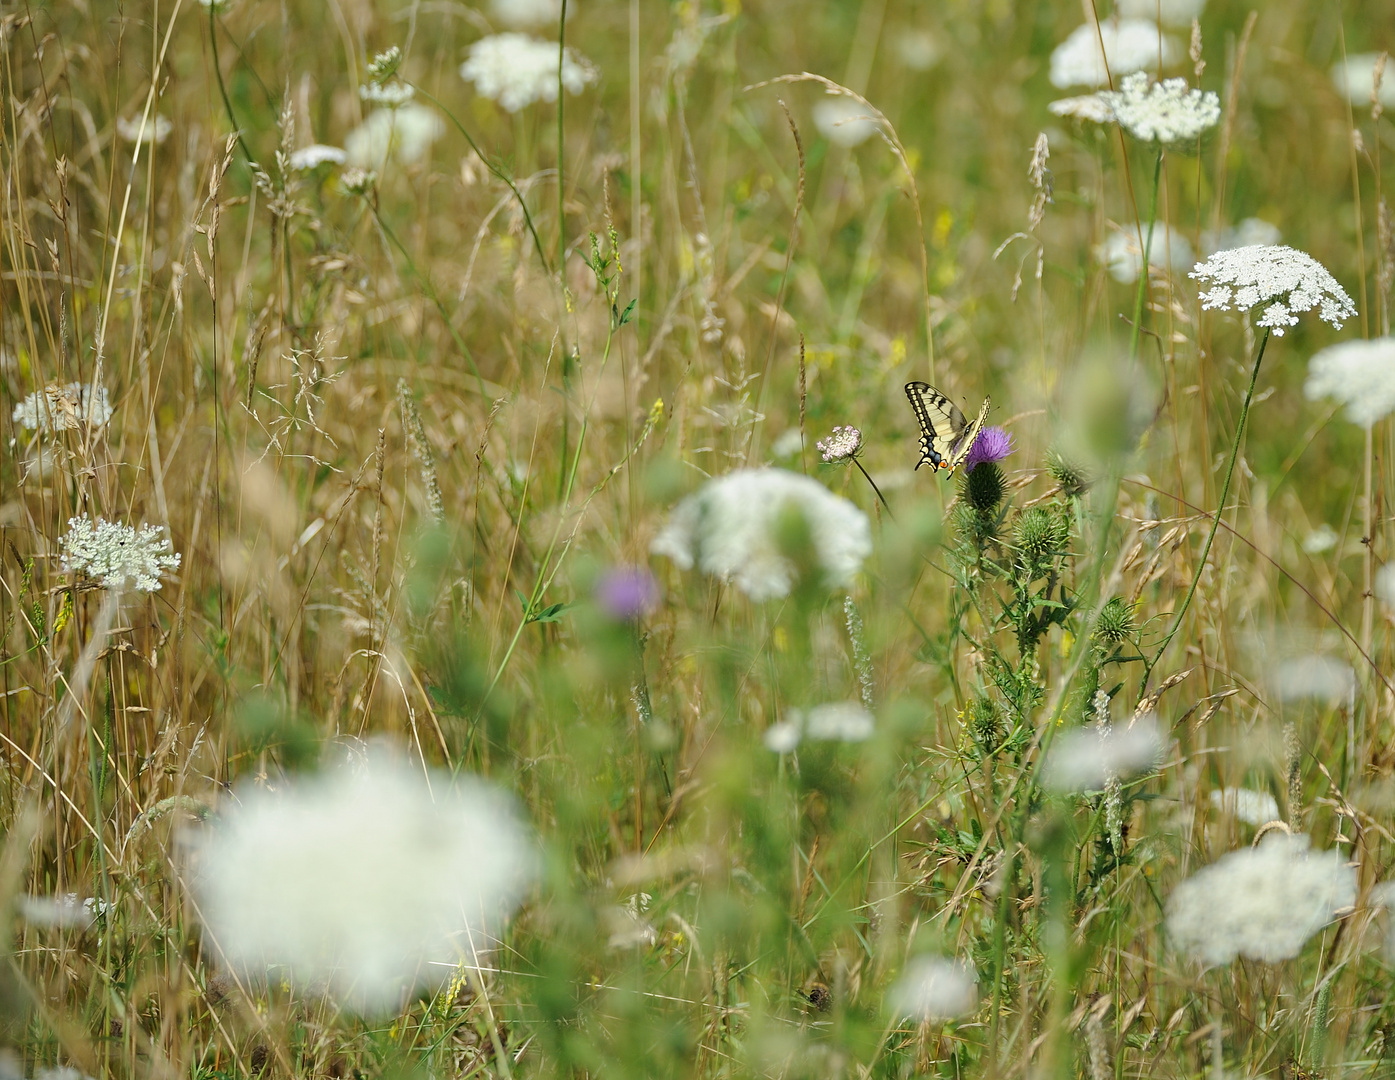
x=1129, y=45
x=1091, y=107
x=788, y=443
x=393, y=93
x=1385, y=585
x=530, y=12
x=1248, y=233
x=1244, y=804
x=59, y=408
x=1324, y=678
x=516, y=70
x=404, y=134
x=1120, y=252
x=69, y=910
x=155, y=130
x=1383, y=895
x=1294, y=281
x=356, y=181
x=368, y=878
x=1359, y=375
x=1168, y=12
x=1323, y=538
x=1167, y=111
x=732, y=530
x=1355, y=79
x=837, y=721
x=919, y=50
x=783, y=737
x=59, y=1072
x=117, y=554
x=1086, y=759
x=844, y=121
x=1263, y=902
x=312, y=157
x=935, y=988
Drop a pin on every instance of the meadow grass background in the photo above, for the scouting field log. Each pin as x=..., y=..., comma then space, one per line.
x=253, y=335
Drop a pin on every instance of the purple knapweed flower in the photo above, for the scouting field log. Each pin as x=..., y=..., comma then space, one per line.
x=626, y=592
x=992, y=444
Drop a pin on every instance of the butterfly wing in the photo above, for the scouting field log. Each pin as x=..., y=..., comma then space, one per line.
x=941, y=424
x=966, y=441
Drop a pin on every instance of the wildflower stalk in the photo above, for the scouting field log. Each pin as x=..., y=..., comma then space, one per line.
x=878, y=490
x=1142, y=292
x=1215, y=520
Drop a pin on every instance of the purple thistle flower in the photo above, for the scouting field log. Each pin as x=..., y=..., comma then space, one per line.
x=625, y=593
x=992, y=444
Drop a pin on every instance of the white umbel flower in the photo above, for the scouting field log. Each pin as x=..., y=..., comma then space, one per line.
x=1359, y=374
x=403, y=134
x=836, y=721
x=1313, y=677
x=935, y=988
x=730, y=529
x=844, y=121
x=1120, y=253
x=1166, y=112
x=309, y=158
x=155, y=130
x=372, y=880
x=1178, y=13
x=1245, y=804
x=1089, y=107
x=61, y=408
x=1289, y=281
x=393, y=93
x=1086, y=759
x=118, y=555
x=1263, y=902
x=1250, y=231
x=530, y=12
x=516, y=70
x=1356, y=79
x=1129, y=45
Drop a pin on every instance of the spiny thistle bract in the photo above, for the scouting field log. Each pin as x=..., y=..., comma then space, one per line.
x=984, y=489
x=1039, y=536
x=1070, y=476
x=1115, y=623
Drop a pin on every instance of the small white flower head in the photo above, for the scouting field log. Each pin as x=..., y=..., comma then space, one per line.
x=1249, y=232
x=732, y=529
x=919, y=50
x=392, y=94
x=1323, y=538
x=1385, y=585
x=842, y=120
x=384, y=65
x=783, y=737
x=934, y=988
x=788, y=443
x=68, y=910
x=841, y=446
x=1086, y=759
x=369, y=878
x=1315, y=677
x=1171, y=12
x=1089, y=107
x=1359, y=374
x=62, y=408
x=530, y=12
x=1289, y=281
x=403, y=134
x=1383, y=896
x=117, y=555
x=837, y=721
x=356, y=181
x=1244, y=804
x=310, y=158
x=1165, y=112
x=1263, y=902
x=1355, y=80
x=516, y=70
x=1129, y=45
x=55, y=1072
x=1120, y=253
x=154, y=130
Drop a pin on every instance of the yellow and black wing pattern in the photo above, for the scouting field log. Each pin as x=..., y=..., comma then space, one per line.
x=946, y=437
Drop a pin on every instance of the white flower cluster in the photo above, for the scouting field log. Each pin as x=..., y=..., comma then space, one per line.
x=1090, y=107
x=374, y=879
x=1120, y=252
x=1263, y=902
x=838, y=721
x=1166, y=112
x=1313, y=677
x=1250, y=231
x=117, y=554
x=1245, y=804
x=935, y=988
x=1168, y=12
x=844, y=121
x=309, y=158
x=1086, y=759
x=1359, y=374
x=60, y=408
x=731, y=530
x=530, y=12
x=1289, y=281
x=392, y=93
x=1356, y=79
x=155, y=130
x=404, y=133
x=841, y=446
x=1129, y=45
x=66, y=909
x=516, y=70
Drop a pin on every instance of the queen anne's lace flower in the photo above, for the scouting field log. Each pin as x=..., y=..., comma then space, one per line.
x=1290, y=281
x=1356, y=78
x=1168, y=111
x=1085, y=759
x=935, y=988
x=1129, y=45
x=844, y=121
x=1250, y=231
x=154, y=130
x=836, y=721
x=1089, y=107
x=308, y=158
x=117, y=554
x=1359, y=374
x=1263, y=902
x=732, y=529
x=403, y=133
x=1251, y=807
x=530, y=12
x=516, y=70
x=1168, y=249
x=1169, y=12
x=392, y=93
x=841, y=446
x=59, y=408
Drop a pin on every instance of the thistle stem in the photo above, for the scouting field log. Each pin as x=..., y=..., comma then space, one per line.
x=1215, y=520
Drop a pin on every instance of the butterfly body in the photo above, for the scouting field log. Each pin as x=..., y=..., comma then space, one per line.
x=946, y=436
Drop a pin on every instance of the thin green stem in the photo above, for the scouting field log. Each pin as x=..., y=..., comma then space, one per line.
x=1142, y=293
x=1215, y=521
x=878, y=490
x=223, y=90
x=561, y=109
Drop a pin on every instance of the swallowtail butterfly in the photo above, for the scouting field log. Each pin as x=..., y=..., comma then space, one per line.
x=946, y=437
